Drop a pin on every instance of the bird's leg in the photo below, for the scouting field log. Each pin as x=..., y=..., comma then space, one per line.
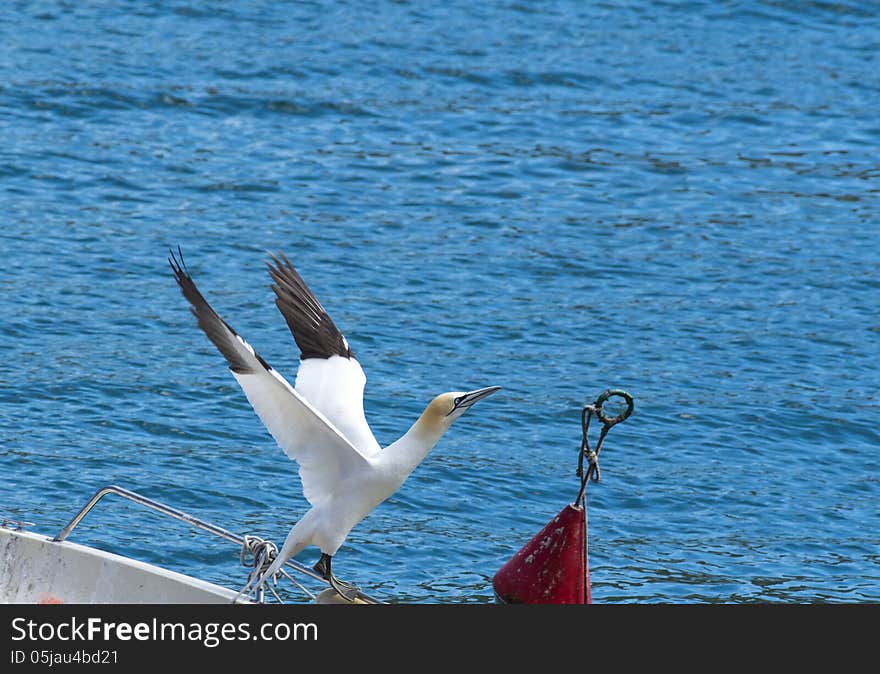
x=343, y=589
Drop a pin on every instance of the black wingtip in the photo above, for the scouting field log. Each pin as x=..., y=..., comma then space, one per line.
x=312, y=328
x=178, y=266
x=217, y=330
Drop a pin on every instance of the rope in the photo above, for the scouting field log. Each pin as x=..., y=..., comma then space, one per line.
x=263, y=553
x=15, y=525
x=587, y=453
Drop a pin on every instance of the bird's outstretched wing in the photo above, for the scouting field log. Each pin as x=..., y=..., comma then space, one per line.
x=329, y=375
x=323, y=453
x=314, y=331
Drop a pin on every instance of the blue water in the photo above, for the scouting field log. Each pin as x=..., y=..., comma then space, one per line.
x=681, y=199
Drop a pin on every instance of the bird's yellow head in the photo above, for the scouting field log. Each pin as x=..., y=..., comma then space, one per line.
x=447, y=407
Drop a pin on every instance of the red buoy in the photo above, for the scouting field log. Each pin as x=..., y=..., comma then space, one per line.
x=552, y=568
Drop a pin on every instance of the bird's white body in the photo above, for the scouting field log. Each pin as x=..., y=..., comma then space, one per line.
x=345, y=474
x=320, y=422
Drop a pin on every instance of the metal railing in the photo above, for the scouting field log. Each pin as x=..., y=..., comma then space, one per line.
x=142, y=500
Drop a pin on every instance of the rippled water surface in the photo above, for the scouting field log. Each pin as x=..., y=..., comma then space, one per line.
x=679, y=199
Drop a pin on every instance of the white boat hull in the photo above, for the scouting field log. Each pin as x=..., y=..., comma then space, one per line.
x=34, y=569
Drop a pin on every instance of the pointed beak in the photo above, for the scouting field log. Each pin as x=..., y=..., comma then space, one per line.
x=468, y=399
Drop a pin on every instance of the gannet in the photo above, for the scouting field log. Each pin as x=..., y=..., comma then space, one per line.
x=319, y=422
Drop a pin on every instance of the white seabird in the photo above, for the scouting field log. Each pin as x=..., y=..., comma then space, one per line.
x=320, y=421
